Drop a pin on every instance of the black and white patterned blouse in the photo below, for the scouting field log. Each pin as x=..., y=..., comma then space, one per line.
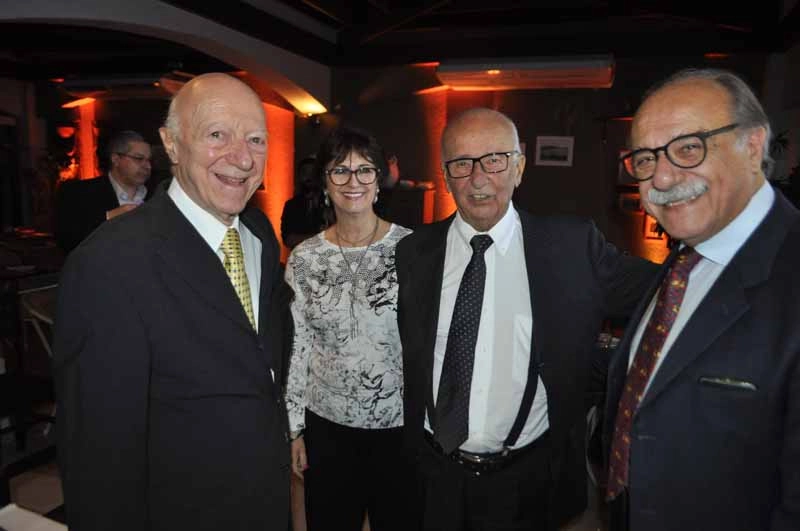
x=348, y=371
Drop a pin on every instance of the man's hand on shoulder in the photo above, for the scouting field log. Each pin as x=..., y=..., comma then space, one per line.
x=111, y=214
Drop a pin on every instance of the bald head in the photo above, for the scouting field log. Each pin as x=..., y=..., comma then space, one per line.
x=201, y=89
x=216, y=138
x=476, y=119
x=483, y=165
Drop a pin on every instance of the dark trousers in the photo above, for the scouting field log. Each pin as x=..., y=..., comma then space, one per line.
x=515, y=497
x=353, y=471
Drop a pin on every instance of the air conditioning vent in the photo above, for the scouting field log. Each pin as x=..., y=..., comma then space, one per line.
x=534, y=73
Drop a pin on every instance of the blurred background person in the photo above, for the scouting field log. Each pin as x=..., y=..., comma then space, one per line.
x=344, y=392
x=302, y=215
x=81, y=206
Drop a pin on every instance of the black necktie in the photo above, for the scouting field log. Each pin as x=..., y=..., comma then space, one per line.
x=452, y=402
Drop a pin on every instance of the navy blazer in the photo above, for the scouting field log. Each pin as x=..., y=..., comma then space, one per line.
x=716, y=439
x=168, y=413
x=575, y=279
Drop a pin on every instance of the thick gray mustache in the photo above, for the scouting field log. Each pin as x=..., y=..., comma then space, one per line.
x=679, y=192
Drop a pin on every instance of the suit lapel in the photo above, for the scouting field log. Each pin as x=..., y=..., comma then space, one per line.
x=109, y=199
x=726, y=301
x=267, y=266
x=428, y=267
x=538, y=244
x=618, y=368
x=183, y=250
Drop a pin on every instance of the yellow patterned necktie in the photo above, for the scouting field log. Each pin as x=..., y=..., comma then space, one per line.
x=234, y=265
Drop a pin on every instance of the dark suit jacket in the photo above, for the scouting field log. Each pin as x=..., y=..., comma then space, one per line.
x=706, y=453
x=168, y=417
x=81, y=207
x=575, y=279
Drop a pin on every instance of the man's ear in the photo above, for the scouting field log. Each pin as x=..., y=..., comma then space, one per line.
x=520, y=164
x=755, y=147
x=446, y=179
x=169, y=144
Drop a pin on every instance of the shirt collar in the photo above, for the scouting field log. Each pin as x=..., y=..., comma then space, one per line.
x=210, y=228
x=721, y=247
x=502, y=233
x=122, y=195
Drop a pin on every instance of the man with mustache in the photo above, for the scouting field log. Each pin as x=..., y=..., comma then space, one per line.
x=168, y=341
x=703, y=413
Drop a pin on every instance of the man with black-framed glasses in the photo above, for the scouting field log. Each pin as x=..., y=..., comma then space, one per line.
x=703, y=408
x=498, y=312
x=81, y=206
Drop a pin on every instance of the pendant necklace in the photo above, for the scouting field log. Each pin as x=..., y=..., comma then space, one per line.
x=354, y=274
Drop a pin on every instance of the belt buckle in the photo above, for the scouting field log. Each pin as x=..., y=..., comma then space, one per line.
x=480, y=464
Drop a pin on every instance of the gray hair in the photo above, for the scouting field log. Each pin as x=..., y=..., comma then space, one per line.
x=747, y=110
x=120, y=142
x=172, y=123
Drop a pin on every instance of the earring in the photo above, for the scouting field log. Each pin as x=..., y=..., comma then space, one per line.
x=327, y=199
x=375, y=199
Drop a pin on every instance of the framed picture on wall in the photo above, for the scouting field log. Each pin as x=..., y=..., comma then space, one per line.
x=554, y=150
x=652, y=230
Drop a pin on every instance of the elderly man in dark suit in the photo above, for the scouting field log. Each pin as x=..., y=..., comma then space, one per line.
x=81, y=206
x=169, y=339
x=704, y=389
x=499, y=311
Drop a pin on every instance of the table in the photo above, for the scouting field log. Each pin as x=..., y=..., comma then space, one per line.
x=15, y=518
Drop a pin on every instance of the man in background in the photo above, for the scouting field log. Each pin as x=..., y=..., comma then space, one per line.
x=82, y=205
x=169, y=337
x=703, y=416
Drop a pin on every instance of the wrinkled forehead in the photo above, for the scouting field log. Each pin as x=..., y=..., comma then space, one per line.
x=478, y=135
x=689, y=107
x=233, y=111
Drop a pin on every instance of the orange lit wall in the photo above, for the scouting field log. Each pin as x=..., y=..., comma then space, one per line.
x=279, y=173
x=435, y=118
x=87, y=142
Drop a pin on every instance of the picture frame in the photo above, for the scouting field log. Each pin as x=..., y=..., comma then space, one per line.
x=651, y=229
x=554, y=150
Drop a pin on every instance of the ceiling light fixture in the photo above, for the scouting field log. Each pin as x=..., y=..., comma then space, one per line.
x=77, y=103
x=594, y=71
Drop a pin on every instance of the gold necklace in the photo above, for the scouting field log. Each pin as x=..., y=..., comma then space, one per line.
x=354, y=274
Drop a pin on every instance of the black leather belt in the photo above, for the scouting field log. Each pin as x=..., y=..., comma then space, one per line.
x=480, y=463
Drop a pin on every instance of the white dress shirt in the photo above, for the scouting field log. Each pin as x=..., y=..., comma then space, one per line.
x=717, y=252
x=503, y=349
x=213, y=232
x=122, y=195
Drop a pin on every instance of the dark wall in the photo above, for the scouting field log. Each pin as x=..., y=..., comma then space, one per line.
x=387, y=102
x=142, y=115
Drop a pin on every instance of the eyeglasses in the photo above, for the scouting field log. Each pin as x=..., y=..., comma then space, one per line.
x=490, y=163
x=141, y=159
x=340, y=175
x=685, y=151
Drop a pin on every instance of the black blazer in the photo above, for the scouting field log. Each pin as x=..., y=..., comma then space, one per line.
x=716, y=439
x=81, y=207
x=168, y=415
x=575, y=279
